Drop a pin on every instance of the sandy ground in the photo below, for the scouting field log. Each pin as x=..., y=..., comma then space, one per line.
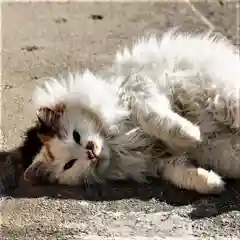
x=45, y=39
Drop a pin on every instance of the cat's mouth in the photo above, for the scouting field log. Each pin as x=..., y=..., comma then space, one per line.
x=93, y=152
x=92, y=156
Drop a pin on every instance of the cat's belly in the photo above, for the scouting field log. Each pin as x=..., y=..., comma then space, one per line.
x=221, y=154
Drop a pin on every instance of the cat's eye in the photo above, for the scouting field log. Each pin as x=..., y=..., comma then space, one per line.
x=76, y=137
x=69, y=164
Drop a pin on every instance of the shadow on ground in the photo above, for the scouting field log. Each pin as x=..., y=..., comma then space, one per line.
x=203, y=206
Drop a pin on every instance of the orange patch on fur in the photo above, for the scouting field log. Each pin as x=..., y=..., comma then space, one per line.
x=59, y=108
x=44, y=138
x=49, y=152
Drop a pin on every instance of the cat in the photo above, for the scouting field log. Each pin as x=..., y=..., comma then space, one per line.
x=168, y=107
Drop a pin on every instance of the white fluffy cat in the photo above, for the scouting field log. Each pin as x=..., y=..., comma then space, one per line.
x=168, y=107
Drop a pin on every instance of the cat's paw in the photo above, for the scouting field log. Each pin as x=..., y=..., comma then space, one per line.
x=191, y=133
x=186, y=135
x=208, y=182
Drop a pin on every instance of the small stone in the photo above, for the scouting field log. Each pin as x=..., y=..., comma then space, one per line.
x=60, y=20
x=8, y=86
x=30, y=48
x=96, y=17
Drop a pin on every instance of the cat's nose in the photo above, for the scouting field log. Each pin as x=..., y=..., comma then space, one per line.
x=90, y=146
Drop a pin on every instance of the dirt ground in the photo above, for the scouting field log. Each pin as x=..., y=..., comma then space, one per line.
x=46, y=39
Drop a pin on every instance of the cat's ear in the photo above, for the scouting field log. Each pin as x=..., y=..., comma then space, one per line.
x=46, y=116
x=48, y=121
x=50, y=116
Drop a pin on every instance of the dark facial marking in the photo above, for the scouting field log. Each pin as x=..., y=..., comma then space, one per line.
x=69, y=164
x=76, y=137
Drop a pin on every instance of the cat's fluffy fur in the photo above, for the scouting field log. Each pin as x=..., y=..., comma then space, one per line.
x=162, y=103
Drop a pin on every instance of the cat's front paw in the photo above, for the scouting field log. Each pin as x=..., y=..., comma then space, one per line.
x=186, y=136
x=190, y=133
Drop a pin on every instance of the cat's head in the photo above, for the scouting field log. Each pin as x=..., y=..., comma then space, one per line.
x=80, y=114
